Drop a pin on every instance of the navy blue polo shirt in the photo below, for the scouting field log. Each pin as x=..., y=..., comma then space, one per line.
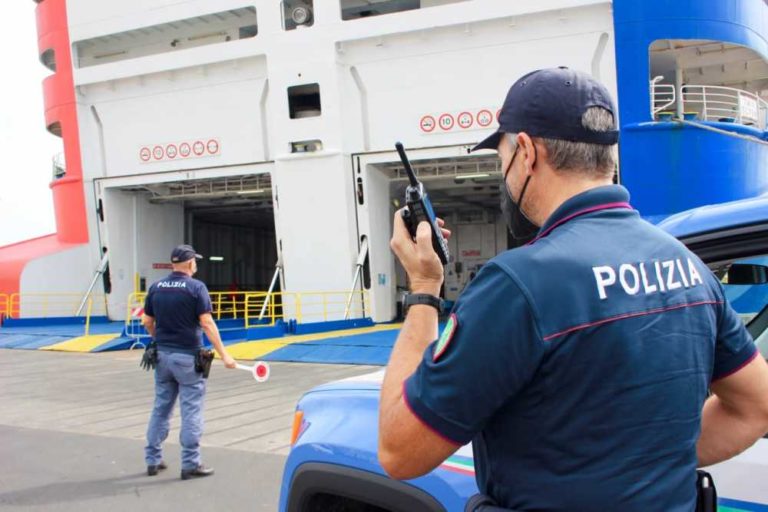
x=176, y=303
x=578, y=365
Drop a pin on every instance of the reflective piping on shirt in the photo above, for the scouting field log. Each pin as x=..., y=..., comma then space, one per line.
x=600, y=207
x=624, y=316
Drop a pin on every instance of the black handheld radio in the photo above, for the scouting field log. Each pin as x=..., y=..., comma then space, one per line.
x=419, y=208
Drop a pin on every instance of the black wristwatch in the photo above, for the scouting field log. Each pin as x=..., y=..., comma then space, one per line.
x=422, y=298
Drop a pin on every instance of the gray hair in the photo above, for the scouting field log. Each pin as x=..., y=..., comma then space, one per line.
x=594, y=160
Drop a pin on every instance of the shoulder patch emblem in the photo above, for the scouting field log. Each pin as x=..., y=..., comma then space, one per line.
x=445, y=338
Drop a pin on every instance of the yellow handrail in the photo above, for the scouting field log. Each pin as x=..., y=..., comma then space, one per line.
x=47, y=305
x=88, y=316
x=4, y=305
x=304, y=306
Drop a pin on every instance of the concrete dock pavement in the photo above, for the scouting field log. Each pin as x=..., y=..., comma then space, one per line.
x=72, y=431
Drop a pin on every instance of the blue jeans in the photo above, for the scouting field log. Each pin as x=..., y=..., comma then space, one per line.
x=175, y=376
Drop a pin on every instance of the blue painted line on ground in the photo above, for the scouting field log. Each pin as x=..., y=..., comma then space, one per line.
x=314, y=353
x=369, y=348
x=318, y=327
x=29, y=341
x=64, y=330
x=372, y=339
x=64, y=320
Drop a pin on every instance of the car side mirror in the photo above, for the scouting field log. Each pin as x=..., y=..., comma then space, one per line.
x=746, y=273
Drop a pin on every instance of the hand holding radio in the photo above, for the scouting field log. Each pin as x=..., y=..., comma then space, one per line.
x=419, y=208
x=419, y=240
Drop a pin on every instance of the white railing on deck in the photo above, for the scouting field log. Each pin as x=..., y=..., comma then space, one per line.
x=662, y=96
x=716, y=103
x=710, y=103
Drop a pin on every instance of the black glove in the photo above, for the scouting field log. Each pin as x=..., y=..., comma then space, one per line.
x=149, y=359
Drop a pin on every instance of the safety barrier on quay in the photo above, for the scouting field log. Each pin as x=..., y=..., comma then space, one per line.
x=238, y=313
x=52, y=307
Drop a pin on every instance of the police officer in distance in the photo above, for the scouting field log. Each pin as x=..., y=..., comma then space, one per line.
x=578, y=363
x=176, y=311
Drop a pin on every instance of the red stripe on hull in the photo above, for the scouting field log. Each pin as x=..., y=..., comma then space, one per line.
x=68, y=192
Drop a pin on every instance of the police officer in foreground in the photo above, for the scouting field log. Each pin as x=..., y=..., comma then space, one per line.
x=578, y=363
x=176, y=311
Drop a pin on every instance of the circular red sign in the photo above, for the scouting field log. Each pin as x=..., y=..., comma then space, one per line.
x=171, y=151
x=498, y=115
x=446, y=121
x=427, y=124
x=212, y=146
x=261, y=371
x=158, y=152
x=484, y=118
x=198, y=148
x=145, y=154
x=465, y=120
x=184, y=149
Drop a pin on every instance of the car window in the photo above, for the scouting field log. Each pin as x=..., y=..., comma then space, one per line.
x=747, y=291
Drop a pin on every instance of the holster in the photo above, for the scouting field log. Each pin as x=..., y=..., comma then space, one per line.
x=149, y=358
x=203, y=360
x=706, y=494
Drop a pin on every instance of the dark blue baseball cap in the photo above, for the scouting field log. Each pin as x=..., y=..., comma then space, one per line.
x=549, y=103
x=184, y=253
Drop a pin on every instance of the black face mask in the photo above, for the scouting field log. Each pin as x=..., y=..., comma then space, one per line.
x=522, y=229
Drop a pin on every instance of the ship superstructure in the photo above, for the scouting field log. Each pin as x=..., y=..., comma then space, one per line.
x=263, y=131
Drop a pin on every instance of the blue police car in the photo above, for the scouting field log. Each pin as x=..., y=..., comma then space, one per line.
x=333, y=464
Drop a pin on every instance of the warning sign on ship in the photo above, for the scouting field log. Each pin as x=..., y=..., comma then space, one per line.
x=427, y=124
x=446, y=121
x=484, y=118
x=465, y=120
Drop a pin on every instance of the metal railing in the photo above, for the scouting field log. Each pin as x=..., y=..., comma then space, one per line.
x=49, y=305
x=328, y=306
x=134, y=329
x=716, y=103
x=261, y=309
x=710, y=103
x=229, y=304
x=4, y=305
x=305, y=307
x=662, y=96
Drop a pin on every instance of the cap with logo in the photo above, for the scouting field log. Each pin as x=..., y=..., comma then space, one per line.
x=184, y=253
x=550, y=103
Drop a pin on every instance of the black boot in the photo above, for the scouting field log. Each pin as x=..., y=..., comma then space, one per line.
x=198, y=472
x=153, y=469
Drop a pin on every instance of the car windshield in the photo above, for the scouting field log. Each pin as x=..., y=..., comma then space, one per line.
x=746, y=288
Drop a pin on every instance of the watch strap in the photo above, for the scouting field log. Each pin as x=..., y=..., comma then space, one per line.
x=423, y=298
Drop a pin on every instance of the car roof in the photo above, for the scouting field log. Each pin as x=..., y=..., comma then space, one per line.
x=717, y=217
